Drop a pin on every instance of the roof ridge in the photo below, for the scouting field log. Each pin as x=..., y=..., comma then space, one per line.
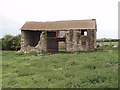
x=59, y=25
x=64, y=20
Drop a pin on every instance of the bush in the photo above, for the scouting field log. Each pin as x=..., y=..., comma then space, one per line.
x=10, y=42
x=0, y=44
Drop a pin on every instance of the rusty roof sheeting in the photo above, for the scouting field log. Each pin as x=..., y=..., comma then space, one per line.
x=60, y=25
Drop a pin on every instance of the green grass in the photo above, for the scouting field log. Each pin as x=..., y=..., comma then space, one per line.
x=97, y=69
x=108, y=43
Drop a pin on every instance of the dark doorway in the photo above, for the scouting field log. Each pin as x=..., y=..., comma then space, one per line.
x=52, y=43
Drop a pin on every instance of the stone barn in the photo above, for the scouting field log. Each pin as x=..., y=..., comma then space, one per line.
x=76, y=35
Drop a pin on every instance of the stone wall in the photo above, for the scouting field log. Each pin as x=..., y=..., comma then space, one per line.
x=69, y=43
x=41, y=46
x=75, y=41
x=43, y=41
x=22, y=41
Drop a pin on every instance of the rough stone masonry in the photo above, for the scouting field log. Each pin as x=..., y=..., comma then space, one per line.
x=79, y=35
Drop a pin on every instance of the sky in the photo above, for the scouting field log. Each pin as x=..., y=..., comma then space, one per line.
x=14, y=13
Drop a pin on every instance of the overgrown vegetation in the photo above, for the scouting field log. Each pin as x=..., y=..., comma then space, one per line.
x=97, y=69
x=10, y=42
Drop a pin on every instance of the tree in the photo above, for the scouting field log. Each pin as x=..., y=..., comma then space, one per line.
x=0, y=44
x=10, y=42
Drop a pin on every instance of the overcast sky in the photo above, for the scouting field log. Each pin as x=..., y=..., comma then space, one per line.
x=14, y=13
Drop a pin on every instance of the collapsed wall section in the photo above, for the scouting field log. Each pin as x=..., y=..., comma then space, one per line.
x=43, y=41
x=33, y=41
x=31, y=38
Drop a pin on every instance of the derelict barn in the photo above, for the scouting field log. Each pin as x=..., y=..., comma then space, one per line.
x=77, y=35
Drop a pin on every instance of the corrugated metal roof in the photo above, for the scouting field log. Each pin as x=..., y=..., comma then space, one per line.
x=60, y=25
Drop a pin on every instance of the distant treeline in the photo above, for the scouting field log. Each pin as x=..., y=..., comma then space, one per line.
x=107, y=40
x=10, y=42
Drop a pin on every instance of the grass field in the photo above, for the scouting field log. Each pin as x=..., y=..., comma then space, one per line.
x=97, y=69
x=108, y=43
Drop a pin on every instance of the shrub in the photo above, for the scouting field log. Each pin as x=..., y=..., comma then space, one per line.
x=0, y=44
x=10, y=42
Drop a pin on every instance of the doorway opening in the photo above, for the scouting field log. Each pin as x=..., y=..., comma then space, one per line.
x=61, y=46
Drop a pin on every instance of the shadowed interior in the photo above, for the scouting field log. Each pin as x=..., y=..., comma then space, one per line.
x=52, y=43
x=31, y=38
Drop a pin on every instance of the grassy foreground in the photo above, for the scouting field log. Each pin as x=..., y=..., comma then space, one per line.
x=85, y=70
